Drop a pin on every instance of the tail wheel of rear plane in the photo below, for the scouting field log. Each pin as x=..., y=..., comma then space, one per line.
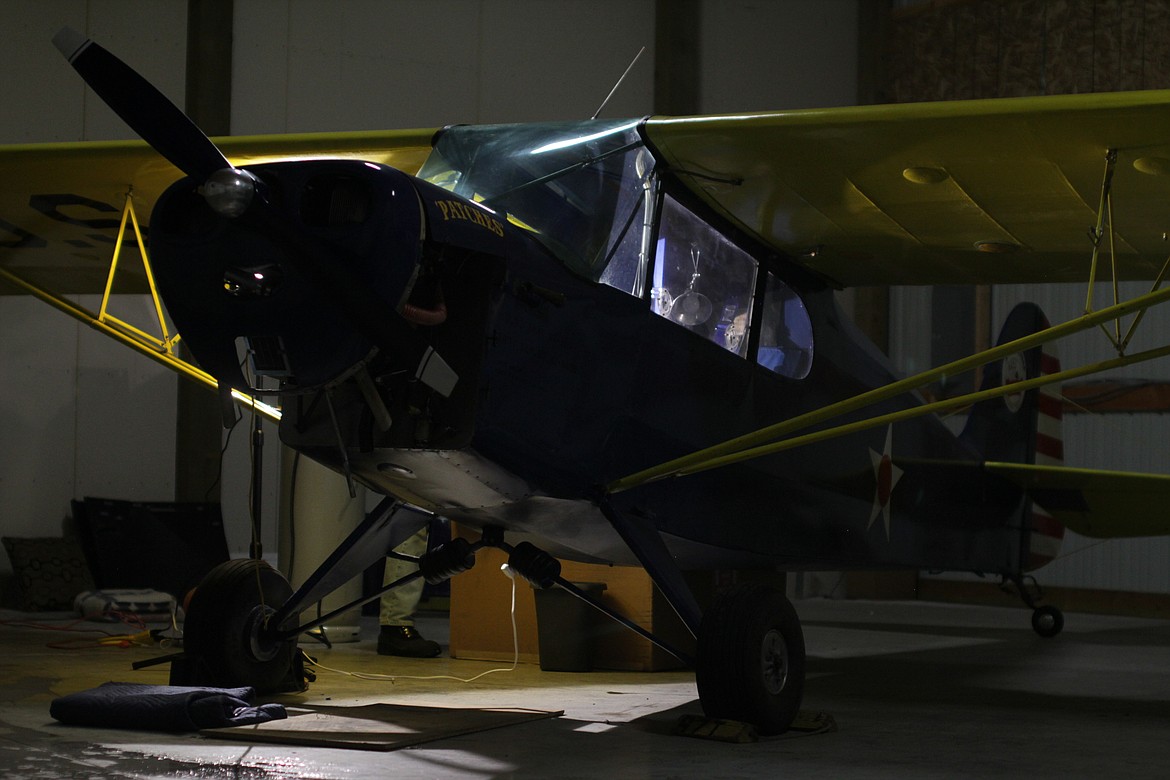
x=750, y=659
x=1047, y=621
x=222, y=629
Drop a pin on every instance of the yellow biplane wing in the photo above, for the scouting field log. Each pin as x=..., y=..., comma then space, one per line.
x=982, y=191
x=61, y=204
x=1103, y=504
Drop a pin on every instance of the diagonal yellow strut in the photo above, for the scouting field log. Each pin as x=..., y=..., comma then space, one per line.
x=129, y=217
x=752, y=442
x=161, y=350
x=137, y=343
x=935, y=407
x=1104, y=229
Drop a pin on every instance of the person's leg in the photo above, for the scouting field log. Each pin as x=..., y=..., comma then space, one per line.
x=398, y=606
x=397, y=635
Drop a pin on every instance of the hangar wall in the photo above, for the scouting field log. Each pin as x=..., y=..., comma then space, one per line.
x=81, y=417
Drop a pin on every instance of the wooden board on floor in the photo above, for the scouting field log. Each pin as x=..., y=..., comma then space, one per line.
x=377, y=726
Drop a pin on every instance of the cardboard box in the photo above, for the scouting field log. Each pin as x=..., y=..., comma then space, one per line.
x=482, y=629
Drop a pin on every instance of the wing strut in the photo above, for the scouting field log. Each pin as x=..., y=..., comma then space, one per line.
x=166, y=342
x=755, y=444
x=162, y=349
x=1096, y=233
x=1104, y=230
x=947, y=405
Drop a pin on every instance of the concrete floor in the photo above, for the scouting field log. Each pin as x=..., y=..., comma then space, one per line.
x=916, y=689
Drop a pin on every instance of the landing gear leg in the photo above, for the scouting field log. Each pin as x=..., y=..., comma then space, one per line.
x=750, y=664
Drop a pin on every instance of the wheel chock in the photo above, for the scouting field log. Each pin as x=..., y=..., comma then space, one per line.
x=715, y=728
x=803, y=725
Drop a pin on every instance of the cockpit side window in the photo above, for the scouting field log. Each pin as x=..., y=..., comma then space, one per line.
x=786, y=336
x=702, y=280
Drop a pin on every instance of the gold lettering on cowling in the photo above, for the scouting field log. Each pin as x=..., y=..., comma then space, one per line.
x=454, y=210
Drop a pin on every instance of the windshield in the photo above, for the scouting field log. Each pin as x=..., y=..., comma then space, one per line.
x=579, y=187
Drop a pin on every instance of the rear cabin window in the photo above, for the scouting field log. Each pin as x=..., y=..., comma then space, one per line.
x=702, y=281
x=786, y=334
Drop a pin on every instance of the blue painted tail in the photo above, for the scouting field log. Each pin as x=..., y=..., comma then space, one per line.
x=1023, y=427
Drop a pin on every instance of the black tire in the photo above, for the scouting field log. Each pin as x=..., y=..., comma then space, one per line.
x=221, y=628
x=1047, y=621
x=750, y=659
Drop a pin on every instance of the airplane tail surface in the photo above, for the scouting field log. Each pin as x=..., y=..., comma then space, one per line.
x=1023, y=427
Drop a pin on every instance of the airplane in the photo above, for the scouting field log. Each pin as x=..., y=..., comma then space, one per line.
x=617, y=341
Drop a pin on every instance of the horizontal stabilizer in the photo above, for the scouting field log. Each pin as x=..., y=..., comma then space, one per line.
x=1101, y=504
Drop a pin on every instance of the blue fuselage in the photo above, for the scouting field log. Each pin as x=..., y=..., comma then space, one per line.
x=550, y=384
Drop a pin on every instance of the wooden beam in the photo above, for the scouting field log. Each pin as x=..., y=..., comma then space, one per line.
x=1098, y=396
x=677, y=54
x=209, y=104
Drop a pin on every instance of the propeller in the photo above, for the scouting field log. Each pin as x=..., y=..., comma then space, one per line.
x=159, y=122
x=231, y=191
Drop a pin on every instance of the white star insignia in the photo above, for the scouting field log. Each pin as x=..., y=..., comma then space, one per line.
x=886, y=474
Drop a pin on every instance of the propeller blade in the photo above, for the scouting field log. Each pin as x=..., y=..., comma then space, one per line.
x=147, y=111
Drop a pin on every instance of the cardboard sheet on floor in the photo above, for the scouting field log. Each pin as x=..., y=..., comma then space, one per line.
x=378, y=726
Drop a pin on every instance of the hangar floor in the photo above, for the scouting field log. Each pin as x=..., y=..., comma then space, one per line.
x=916, y=690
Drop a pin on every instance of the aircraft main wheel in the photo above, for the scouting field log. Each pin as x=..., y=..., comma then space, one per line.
x=1047, y=621
x=223, y=626
x=750, y=660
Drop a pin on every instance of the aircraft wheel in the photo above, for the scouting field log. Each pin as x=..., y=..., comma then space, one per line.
x=224, y=618
x=1047, y=621
x=750, y=660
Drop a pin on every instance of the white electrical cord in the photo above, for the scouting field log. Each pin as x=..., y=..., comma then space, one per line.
x=510, y=574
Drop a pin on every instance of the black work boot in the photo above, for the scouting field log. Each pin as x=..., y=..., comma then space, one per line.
x=405, y=641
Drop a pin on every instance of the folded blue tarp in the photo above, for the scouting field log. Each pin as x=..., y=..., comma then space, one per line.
x=162, y=707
